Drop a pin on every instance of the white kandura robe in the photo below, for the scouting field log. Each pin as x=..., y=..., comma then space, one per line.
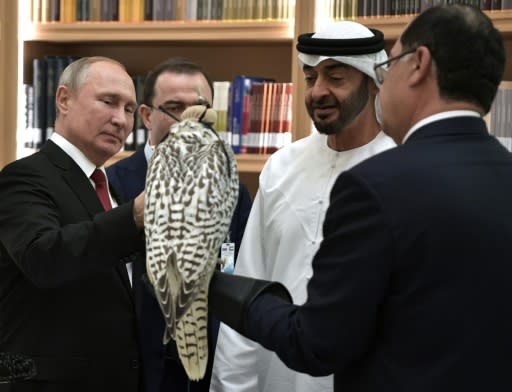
x=282, y=235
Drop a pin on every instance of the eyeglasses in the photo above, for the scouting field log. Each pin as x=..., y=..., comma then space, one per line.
x=174, y=113
x=382, y=68
x=175, y=110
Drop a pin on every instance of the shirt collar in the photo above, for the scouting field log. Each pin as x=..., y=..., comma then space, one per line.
x=437, y=117
x=78, y=156
x=148, y=150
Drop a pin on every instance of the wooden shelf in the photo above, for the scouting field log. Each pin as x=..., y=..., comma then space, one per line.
x=227, y=48
x=169, y=31
x=247, y=163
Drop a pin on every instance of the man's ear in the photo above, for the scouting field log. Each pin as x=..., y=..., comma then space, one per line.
x=145, y=111
x=62, y=96
x=422, y=62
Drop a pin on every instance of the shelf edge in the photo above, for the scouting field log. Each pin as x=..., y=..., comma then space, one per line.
x=160, y=31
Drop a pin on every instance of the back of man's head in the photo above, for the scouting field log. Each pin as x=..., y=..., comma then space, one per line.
x=471, y=75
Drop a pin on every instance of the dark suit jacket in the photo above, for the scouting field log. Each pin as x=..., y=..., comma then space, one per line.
x=411, y=288
x=163, y=369
x=65, y=297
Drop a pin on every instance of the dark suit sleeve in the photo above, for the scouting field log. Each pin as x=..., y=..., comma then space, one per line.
x=337, y=323
x=128, y=176
x=52, y=236
x=114, y=180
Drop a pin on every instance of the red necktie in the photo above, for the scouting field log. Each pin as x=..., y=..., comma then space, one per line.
x=101, y=188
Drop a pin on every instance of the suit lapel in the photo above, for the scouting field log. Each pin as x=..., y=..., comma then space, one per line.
x=84, y=191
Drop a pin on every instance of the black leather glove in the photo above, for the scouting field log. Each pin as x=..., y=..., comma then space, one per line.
x=15, y=367
x=230, y=297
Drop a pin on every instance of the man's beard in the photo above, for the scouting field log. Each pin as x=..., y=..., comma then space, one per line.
x=348, y=110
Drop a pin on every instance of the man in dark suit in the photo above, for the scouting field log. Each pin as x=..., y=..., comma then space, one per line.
x=65, y=296
x=411, y=287
x=169, y=89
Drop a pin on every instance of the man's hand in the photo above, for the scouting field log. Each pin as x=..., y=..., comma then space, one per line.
x=138, y=210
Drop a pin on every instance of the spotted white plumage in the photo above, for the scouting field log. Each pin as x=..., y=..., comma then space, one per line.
x=190, y=195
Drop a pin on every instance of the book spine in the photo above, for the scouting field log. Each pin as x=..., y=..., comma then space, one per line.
x=95, y=10
x=220, y=105
x=506, y=4
x=255, y=122
x=139, y=130
x=67, y=11
x=246, y=109
x=35, y=11
x=55, y=10
x=148, y=9
x=46, y=11
x=29, y=116
x=236, y=112
x=51, y=85
x=158, y=9
x=495, y=5
x=39, y=79
x=286, y=129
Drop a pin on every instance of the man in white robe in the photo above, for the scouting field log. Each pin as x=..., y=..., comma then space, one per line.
x=284, y=229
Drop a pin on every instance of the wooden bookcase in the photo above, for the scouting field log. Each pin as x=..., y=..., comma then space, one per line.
x=225, y=49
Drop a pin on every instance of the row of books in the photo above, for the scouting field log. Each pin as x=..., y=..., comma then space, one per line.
x=151, y=10
x=350, y=9
x=254, y=113
x=499, y=118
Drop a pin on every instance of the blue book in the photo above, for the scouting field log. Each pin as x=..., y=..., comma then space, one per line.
x=238, y=113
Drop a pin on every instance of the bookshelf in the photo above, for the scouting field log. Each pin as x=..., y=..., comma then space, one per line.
x=224, y=48
x=8, y=81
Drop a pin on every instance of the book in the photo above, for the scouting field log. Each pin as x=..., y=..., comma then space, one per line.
x=39, y=83
x=163, y=10
x=506, y=4
x=55, y=10
x=485, y=5
x=190, y=9
x=46, y=11
x=495, y=5
x=220, y=105
x=28, y=91
x=148, y=9
x=139, y=129
x=131, y=10
x=68, y=11
x=83, y=10
x=95, y=10
x=270, y=117
x=51, y=85
x=35, y=11
x=109, y=10
x=240, y=93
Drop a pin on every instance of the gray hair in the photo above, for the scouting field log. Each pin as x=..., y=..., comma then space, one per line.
x=76, y=73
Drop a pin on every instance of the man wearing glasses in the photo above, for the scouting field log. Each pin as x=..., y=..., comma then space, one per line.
x=411, y=284
x=169, y=89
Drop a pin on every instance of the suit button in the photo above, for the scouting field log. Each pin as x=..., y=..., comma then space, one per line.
x=135, y=364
